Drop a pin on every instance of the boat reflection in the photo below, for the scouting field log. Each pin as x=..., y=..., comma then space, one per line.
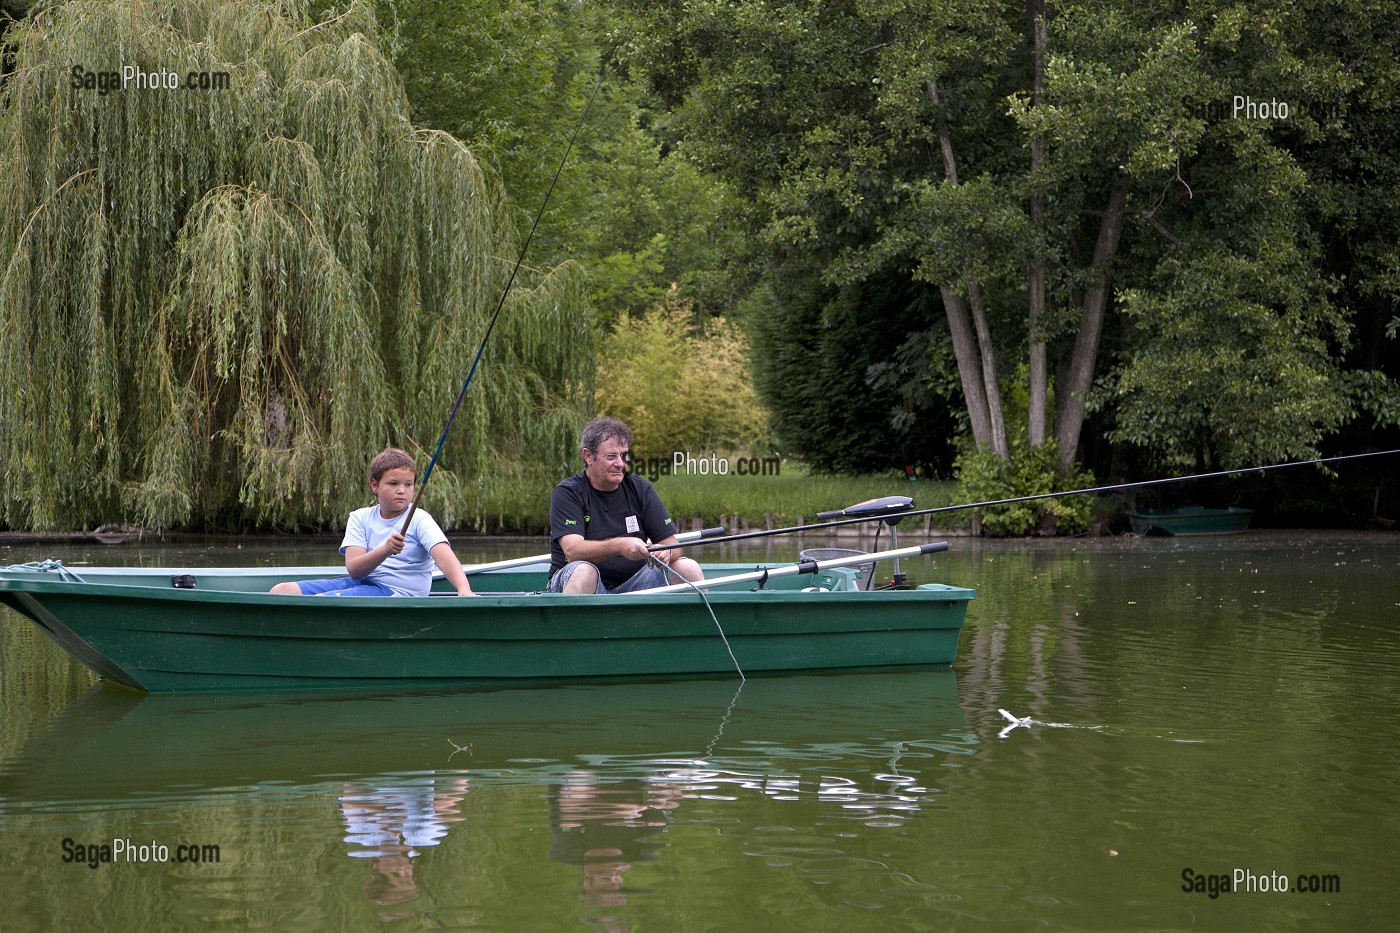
x=616, y=766
x=116, y=748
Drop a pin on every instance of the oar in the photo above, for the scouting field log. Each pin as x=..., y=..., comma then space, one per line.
x=544, y=558
x=1043, y=495
x=802, y=566
x=491, y=325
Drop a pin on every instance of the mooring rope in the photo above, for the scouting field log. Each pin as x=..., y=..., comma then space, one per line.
x=44, y=566
x=667, y=568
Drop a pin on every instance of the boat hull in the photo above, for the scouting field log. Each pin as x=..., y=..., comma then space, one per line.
x=1193, y=520
x=228, y=633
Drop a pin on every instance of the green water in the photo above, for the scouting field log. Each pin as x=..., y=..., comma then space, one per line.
x=1209, y=704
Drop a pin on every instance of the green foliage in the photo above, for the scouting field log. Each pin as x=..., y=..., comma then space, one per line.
x=1236, y=368
x=821, y=116
x=1028, y=471
x=852, y=384
x=511, y=79
x=219, y=304
x=679, y=388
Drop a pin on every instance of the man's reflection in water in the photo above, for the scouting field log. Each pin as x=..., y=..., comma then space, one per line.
x=604, y=828
x=390, y=824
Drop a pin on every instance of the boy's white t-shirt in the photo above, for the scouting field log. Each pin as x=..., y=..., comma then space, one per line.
x=409, y=572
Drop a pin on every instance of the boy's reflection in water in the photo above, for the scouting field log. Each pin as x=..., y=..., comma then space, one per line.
x=604, y=828
x=390, y=825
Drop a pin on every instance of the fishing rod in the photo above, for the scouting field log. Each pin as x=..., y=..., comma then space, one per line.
x=995, y=502
x=491, y=325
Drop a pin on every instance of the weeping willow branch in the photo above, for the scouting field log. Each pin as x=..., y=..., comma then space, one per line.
x=218, y=304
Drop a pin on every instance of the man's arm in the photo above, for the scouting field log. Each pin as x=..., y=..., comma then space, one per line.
x=575, y=547
x=668, y=557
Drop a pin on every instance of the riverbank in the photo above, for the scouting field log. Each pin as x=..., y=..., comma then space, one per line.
x=791, y=496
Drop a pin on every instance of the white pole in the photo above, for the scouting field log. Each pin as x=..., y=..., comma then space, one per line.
x=804, y=566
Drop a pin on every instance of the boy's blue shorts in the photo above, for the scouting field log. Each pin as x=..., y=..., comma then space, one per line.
x=343, y=586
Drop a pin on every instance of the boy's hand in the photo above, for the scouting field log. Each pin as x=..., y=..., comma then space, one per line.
x=395, y=543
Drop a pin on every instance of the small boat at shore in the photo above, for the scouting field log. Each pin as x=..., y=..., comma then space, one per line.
x=175, y=631
x=1190, y=520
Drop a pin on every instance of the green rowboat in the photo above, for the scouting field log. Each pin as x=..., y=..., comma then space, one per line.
x=1190, y=520
x=177, y=631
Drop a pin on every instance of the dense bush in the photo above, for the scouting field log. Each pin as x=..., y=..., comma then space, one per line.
x=680, y=387
x=1028, y=471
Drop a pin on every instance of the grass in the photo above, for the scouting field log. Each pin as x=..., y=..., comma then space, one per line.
x=784, y=499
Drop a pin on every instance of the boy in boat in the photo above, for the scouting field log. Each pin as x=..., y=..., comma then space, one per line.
x=601, y=518
x=379, y=560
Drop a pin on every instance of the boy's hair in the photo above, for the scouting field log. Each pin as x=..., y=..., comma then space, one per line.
x=390, y=458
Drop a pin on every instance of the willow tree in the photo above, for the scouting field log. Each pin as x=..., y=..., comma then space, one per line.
x=221, y=299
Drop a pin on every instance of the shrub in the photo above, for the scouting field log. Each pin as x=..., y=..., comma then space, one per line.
x=680, y=387
x=1028, y=471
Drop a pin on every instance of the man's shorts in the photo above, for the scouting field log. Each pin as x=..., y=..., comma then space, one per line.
x=648, y=578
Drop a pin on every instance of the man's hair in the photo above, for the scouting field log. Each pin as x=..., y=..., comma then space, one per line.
x=391, y=458
x=604, y=429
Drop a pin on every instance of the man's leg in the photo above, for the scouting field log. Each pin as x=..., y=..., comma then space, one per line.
x=576, y=577
x=688, y=569
x=648, y=578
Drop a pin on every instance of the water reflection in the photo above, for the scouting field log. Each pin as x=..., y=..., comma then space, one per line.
x=421, y=785
x=604, y=829
x=391, y=825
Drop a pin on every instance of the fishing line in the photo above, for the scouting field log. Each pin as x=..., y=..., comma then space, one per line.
x=724, y=721
x=667, y=568
x=1044, y=495
x=491, y=325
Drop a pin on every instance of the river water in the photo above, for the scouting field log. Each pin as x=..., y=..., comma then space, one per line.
x=1195, y=715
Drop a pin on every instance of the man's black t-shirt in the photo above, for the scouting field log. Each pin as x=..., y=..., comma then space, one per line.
x=633, y=510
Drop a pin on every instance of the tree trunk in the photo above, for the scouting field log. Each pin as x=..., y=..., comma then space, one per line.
x=972, y=346
x=1072, y=394
x=989, y=370
x=1035, y=302
x=969, y=367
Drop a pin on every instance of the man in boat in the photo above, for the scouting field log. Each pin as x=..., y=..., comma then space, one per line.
x=600, y=520
x=380, y=560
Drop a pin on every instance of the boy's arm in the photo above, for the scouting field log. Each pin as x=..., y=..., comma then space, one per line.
x=451, y=567
x=360, y=563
